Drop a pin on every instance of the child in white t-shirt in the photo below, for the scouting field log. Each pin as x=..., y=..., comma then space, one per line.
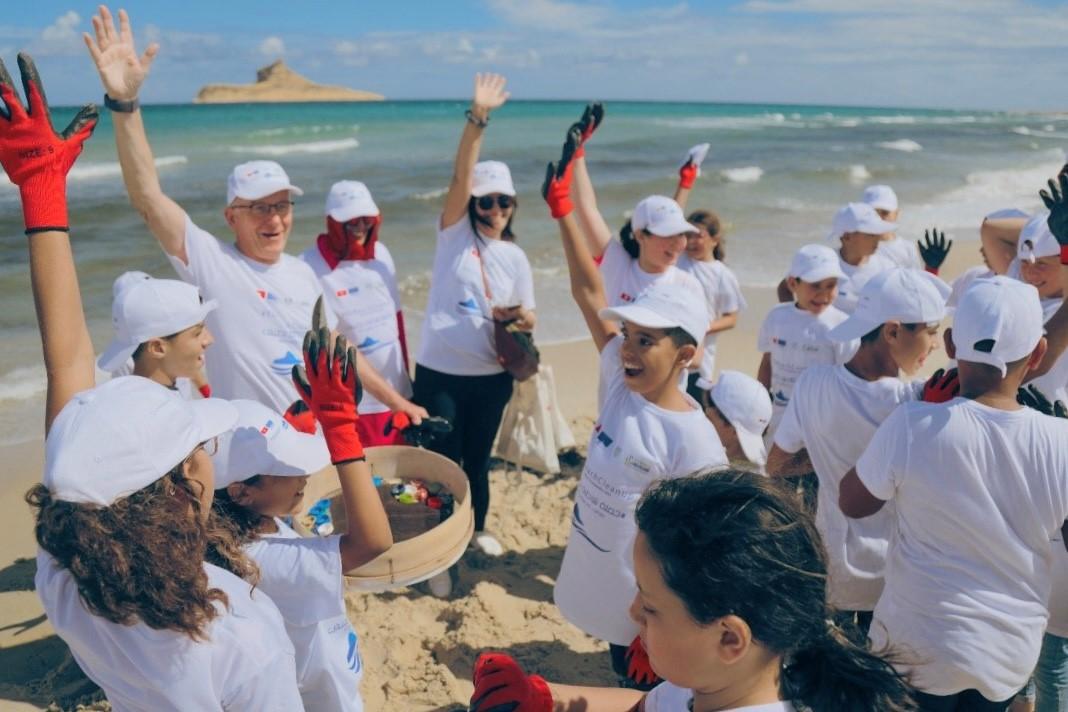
x=732, y=609
x=859, y=229
x=979, y=489
x=648, y=428
x=794, y=334
x=261, y=470
x=739, y=408
x=836, y=409
x=901, y=252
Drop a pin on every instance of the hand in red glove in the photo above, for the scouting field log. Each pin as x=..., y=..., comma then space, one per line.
x=592, y=117
x=300, y=416
x=205, y=390
x=329, y=384
x=688, y=175
x=638, y=668
x=557, y=186
x=34, y=156
x=941, y=386
x=501, y=685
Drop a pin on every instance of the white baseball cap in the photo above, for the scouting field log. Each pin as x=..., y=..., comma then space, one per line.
x=150, y=308
x=113, y=440
x=661, y=216
x=880, y=197
x=257, y=179
x=491, y=177
x=1036, y=240
x=263, y=443
x=1001, y=310
x=859, y=217
x=350, y=199
x=665, y=306
x=126, y=280
x=747, y=406
x=815, y=263
x=909, y=296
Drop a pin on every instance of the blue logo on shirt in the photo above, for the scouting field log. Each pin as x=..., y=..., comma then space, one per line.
x=580, y=528
x=355, y=664
x=367, y=343
x=469, y=305
x=284, y=366
x=602, y=437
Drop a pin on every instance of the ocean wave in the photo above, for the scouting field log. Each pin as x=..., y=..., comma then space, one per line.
x=23, y=383
x=303, y=130
x=892, y=119
x=847, y=123
x=284, y=149
x=746, y=174
x=906, y=145
x=730, y=122
x=1048, y=131
x=858, y=173
x=431, y=194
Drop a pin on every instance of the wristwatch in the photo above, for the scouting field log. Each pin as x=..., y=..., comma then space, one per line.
x=123, y=107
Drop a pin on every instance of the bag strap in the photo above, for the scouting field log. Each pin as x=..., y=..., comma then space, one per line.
x=482, y=267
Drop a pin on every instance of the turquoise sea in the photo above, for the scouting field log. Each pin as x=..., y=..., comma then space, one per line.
x=775, y=174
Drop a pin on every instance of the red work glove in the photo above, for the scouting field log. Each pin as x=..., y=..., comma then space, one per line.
x=500, y=682
x=299, y=415
x=205, y=390
x=687, y=175
x=557, y=186
x=330, y=386
x=591, y=119
x=34, y=156
x=638, y=668
x=942, y=386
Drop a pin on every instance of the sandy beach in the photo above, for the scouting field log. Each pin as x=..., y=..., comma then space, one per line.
x=418, y=650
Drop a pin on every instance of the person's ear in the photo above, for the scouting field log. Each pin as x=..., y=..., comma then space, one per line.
x=947, y=339
x=156, y=348
x=891, y=331
x=735, y=639
x=791, y=284
x=239, y=493
x=686, y=355
x=228, y=213
x=1038, y=354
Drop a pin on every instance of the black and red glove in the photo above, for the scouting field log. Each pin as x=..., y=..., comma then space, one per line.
x=1056, y=201
x=300, y=416
x=592, y=117
x=639, y=670
x=557, y=186
x=942, y=386
x=33, y=155
x=688, y=175
x=417, y=435
x=934, y=249
x=502, y=686
x=329, y=384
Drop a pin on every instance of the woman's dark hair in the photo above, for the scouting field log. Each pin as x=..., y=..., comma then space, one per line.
x=710, y=222
x=629, y=242
x=475, y=220
x=733, y=542
x=140, y=558
x=874, y=333
x=240, y=523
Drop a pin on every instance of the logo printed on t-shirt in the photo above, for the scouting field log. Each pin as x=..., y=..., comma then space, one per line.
x=353, y=656
x=267, y=427
x=603, y=437
x=266, y=296
x=283, y=365
x=578, y=526
x=469, y=306
x=346, y=292
x=626, y=297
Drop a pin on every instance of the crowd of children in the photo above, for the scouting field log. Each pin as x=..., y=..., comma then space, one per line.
x=927, y=570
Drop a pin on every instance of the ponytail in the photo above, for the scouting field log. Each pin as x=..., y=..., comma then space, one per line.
x=629, y=242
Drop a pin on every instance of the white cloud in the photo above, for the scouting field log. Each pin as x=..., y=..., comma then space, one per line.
x=741, y=59
x=549, y=14
x=272, y=47
x=64, y=28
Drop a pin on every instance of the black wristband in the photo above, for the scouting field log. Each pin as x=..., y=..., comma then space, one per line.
x=481, y=123
x=123, y=107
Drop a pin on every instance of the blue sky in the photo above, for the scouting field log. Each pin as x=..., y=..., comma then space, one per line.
x=999, y=54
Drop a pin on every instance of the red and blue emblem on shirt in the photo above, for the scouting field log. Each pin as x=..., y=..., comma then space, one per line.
x=602, y=436
x=264, y=295
x=346, y=292
x=267, y=427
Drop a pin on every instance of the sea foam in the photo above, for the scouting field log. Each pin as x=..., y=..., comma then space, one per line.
x=285, y=149
x=906, y=145
x=746, y=174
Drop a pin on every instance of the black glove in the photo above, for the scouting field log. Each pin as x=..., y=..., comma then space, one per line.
x=1056, y=200
x=418, y=435
x=934, y=249
x=1033, y=398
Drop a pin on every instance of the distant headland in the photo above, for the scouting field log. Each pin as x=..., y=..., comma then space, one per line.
x=277, y=83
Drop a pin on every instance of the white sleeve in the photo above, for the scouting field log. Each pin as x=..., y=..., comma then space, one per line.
x=764, y=336
x=383, y=255
x=881, y=466
x=461, y=229
x=204, y=252
x=790, y=436
x=729, y=299
x=302, y=576
x=611, y=369
x=614, y=264
x=274, y=689
x=524, y=287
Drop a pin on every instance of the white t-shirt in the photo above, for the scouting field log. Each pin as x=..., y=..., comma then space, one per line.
x=797, y=339
x=245, y=664
x=259, y=326
x=856, y=277
x=303, y=577
x=363, y=294
x=457, y=335
x=903, y=253
x=979, y=494
x=1053, y=383
x=624, y=279
x=633, y=444
x=834, y=414
x=666, y=697
x=724, y=296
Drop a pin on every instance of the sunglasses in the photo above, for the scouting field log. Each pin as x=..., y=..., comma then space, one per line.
x=503, y=202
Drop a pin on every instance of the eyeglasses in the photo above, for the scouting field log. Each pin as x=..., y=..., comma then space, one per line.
x=263, y=210
x=210, y=447
x=503, y=202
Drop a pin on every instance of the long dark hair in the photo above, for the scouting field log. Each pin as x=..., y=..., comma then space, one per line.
x=710, y=221
x=242, y=524
x=475, y=220
x=629, y=242
x=733, y=542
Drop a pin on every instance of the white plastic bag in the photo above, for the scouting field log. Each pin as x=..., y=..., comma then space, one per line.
x=533, y=430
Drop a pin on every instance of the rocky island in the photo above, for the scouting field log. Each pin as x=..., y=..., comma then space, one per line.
x=277, y=83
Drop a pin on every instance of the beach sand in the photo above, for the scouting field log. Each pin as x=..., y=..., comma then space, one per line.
x=417, y=650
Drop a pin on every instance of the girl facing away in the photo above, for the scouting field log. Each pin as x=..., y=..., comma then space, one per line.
x=732, y=610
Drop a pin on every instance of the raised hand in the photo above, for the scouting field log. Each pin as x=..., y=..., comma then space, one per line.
x=933, y=249
x=556, y=189
x=1056, y=200
x=500, y=684
x=33, y=155
x=592, y=116
x=942, y=386
x=122, y=70
x=1035, y=399
x=489, y=93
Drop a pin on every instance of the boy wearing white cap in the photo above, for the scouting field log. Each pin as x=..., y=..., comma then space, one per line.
x=648, y=428
x=739, y=408
x=360, y=285
x=261, y=468
x=1038, y=257
x=967, y=578
x=794, y=334
x=159, y=329
x=835, y=411
x=901, y=252
x=860, y=230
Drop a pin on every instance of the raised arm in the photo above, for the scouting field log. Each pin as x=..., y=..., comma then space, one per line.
x=999, y=237
x=37, y=160
x=593, y=225
x=488, y=95
x=586, y=286
x=1056, y=200
x=122, y=72
x=689, y=172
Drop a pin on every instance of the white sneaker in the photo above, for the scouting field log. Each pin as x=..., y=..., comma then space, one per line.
x=488, y=544
x=440, y=585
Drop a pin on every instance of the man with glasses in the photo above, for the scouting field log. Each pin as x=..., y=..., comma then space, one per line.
x=265, y=296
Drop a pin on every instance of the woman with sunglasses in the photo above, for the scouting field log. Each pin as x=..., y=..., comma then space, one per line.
x=359, y=283
x=122, y=509
x=480, y=275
